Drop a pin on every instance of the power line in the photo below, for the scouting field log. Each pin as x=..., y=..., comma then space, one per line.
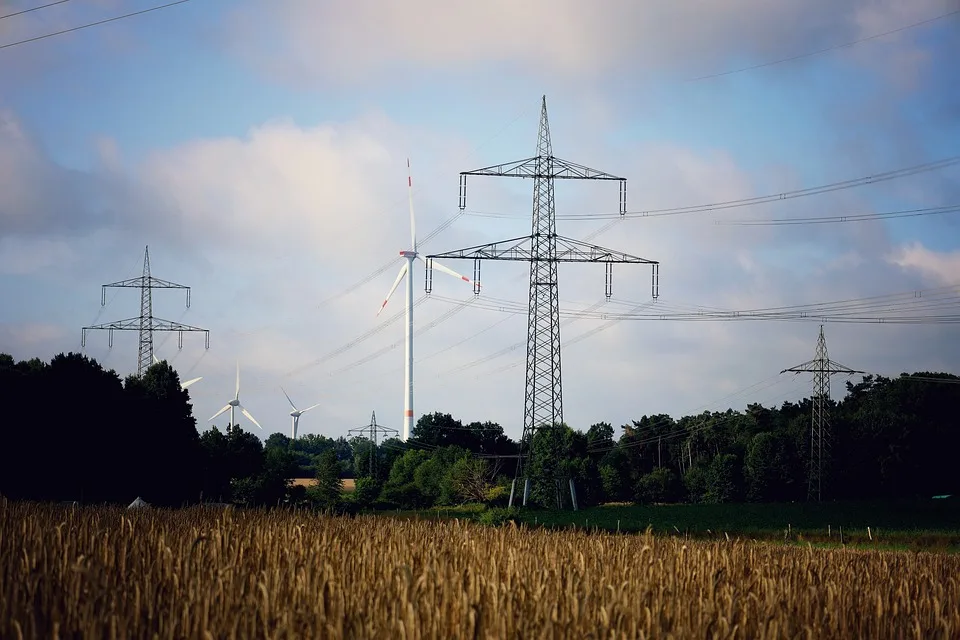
x=92, y=24
x=746, y=202
x=854, y=217
x=43, y=6
x=868, y=310
x=826, y=49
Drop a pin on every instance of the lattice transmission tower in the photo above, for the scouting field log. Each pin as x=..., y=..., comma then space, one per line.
x=822, y=368
x=544, y=250
x=145, y=323
x=373, y=431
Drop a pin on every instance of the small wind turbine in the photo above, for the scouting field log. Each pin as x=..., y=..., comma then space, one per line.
x=183, y=385
x=407, y=269
x=296, y=413
x=234, y=404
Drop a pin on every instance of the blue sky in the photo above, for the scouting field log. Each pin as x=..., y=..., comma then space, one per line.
x=259, y=148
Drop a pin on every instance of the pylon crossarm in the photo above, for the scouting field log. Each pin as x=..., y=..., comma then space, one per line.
x=492, y=251
x=154, y=283
x=534, y=168
x=568, y=250
x=133, y=324
x=815, y=366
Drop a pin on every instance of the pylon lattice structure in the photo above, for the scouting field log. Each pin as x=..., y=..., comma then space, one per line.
x=145, y=323
x=373, y=431
x=544, y=250
x=822, y=368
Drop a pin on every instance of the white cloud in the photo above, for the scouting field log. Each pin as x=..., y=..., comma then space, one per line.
x=941, y=267
x=354, y=42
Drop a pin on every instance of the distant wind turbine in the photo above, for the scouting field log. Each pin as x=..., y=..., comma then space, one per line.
x=407, y=270
x=183, y=385
x=234, y=404
x=296, y=413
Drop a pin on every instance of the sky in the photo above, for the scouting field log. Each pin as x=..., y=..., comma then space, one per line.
x=260, y=150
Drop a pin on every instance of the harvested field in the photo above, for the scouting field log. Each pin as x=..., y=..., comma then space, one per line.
x=349, y=484
x=201, y=573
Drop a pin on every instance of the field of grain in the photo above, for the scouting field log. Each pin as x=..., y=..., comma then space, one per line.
x=348, y=485
x=214, y=573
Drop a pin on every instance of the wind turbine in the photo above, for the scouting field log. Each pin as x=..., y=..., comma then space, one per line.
x=407, y=270
x=234, y=404
x=296, y=413
x=183, y=385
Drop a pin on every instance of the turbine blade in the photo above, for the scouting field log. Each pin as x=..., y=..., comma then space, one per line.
x=186, y=384
x=238, y=380
x=155, y=359
x=311, y=407
x=447, y=270
x=225, y=408
x=413, y=223
x=396, y=283
x=249, y=417
x=289, y=400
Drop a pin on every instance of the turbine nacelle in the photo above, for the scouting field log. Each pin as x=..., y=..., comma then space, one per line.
x=296, y=413
x=234, y=404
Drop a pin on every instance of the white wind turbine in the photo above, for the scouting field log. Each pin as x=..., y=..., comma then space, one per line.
x=234, y=404
x=296, y=413
x=407, y=270
x=183, y=385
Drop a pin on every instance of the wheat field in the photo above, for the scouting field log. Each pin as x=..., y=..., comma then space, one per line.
x=202, y=573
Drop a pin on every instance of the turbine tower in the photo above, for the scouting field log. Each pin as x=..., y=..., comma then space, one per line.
x=543, y=249
x=295, y=414
x=234, y=404
x=145, y=323
x=822, y=368
x=407, y=270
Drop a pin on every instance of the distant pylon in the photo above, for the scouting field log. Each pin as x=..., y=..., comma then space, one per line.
x=822, y=368
x=543, y=249
x=373, y=431
x=145, y=323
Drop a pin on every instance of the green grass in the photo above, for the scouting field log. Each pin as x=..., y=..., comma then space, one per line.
x=929, y=525
x=925, y=525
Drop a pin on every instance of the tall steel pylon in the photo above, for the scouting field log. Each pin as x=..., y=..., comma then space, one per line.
x=544, y=250
x=373, y=431
x=822, y=368
x=145, y=323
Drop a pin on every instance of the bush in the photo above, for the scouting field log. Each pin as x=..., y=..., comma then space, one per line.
x=498, y=496
x=499, y=515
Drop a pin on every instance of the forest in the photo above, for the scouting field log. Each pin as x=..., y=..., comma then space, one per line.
x=74, y=431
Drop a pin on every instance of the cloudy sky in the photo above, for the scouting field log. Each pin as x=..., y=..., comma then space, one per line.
x=259, y=149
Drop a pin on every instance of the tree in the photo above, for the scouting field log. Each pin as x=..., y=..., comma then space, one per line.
x=327, y=491
x=469, y=479
x=770, y=469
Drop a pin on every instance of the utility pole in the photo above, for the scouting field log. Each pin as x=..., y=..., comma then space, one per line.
x=372, y=432
x=544, y=250
x=822, y=368
x=145, y=323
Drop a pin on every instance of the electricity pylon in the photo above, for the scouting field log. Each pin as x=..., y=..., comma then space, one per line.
x=145, y=323
x=822, y=368
x=373, y=432
x=544, y=250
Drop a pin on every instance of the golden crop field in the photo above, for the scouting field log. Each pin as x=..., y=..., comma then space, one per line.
x=204, y=573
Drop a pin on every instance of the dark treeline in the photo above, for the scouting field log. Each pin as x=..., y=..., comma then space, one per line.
x=74, y=431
